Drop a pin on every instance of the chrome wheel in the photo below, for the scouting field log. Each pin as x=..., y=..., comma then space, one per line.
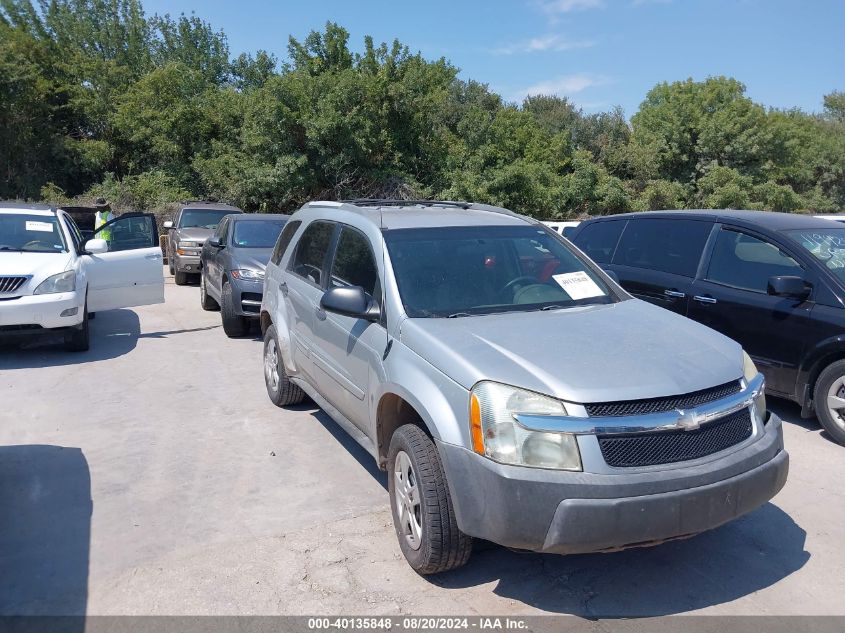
x=836, y=402
x=407, y=500
x=271, y=365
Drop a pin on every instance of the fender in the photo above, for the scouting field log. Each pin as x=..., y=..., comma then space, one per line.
x=436, y=397
x=815, y=360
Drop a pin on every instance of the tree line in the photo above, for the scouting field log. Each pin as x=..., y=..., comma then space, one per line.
x=98, y=99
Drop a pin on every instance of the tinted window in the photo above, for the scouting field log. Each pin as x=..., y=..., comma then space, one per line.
x=128, y=233
x=743, y=261
x=31, y=233
x=670, y=246
x=354, y=263
x=284, y=239
x=311, y=251
x=256, y=233
x=599, y=239
x=458, y=271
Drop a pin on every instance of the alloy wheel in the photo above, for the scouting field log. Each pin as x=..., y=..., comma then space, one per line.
x=271, y=365
x=407, y=500
x=836, y=401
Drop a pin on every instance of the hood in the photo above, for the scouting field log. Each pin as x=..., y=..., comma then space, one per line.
x=39, y=265
x=623, y=351
x=255, y=258
x=194, y=233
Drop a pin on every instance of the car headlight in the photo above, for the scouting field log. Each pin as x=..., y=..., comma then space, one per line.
x=496, y=433
x=749, y=371
x=62, y=282
x=247, y=274
x=188, y=244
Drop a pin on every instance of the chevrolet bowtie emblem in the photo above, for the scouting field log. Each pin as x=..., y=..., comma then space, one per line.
x=687, y=420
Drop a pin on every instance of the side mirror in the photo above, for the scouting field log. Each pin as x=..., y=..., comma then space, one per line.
x=215, y=241
x=168, y=224
x=350, y=301
x=96, y=246
x=789, y=286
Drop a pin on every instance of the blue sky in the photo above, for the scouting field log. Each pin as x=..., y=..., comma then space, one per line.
x=600, y=53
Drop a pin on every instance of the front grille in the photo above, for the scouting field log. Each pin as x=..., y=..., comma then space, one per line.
x=666, y=447
x=659, y=405
x=10, y=284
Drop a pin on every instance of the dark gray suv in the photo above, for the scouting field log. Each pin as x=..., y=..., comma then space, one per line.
x=232, y=267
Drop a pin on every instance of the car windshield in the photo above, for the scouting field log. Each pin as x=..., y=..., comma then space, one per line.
x=257, y=233
x=826, y=245
x=31, y=233
x=202, y=218
x=462, y=271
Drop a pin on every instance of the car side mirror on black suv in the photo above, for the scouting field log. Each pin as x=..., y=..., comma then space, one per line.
x=350, y=301
x=789, y=286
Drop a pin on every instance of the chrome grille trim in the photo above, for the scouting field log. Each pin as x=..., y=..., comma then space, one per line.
x=11, y=283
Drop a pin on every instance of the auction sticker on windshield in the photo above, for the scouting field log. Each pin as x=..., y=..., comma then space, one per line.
x=46, y=227
x=578, y=285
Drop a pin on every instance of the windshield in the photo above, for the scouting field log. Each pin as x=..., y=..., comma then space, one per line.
x=826, y=245
x=201, y=218
x=31, y=233
x=460, y=271
x=257, y=233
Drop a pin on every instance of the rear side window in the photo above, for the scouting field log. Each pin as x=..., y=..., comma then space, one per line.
x=598, y=240
x=354, y=263
x=743, y=261
x=670, y=245
x=310, y=257
x=284, y=239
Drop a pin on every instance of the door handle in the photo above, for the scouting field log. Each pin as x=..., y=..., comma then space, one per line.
x=321, y=314
x=703, y=299
x=284, y=288
x=674, y=294
x=153, y=256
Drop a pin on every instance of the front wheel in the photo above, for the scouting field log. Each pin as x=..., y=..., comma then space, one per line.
x=281, y=390
x=181, y=278
x=423, y=514
x=233, y=323
x=206, y=302
x=829, y=399
x=79, y=338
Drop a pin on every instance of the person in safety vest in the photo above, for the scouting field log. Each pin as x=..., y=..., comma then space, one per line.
x=102, y=215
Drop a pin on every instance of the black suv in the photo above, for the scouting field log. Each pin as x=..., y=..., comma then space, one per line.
x=774, y=282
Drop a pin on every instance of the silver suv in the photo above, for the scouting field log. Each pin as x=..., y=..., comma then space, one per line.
x=512, y=390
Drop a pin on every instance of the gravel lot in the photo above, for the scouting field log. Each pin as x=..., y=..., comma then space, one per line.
x=152, y=475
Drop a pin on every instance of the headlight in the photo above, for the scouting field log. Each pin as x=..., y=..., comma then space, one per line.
x=749, y=371
x=496, y=433
x=188, y=244
x=248, y=274
x=63, y=282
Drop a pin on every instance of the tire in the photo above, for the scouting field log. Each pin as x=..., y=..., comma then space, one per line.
x=428, y=532
x=206, y=302
x=170, y=265
x=233, y=324
x=281, y=390
x=181, y=278
x=79, y=339
x=828, y=395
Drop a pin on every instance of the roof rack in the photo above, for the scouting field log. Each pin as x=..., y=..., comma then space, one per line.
x=376, y=202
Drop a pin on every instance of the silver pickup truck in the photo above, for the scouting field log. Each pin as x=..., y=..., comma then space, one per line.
x=511, y=389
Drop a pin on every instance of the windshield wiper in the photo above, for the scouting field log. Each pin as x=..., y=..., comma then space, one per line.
x=458, y=315
x=552, y=307
x=9, y=248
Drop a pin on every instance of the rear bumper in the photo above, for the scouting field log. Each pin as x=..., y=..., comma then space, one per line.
x=41, y=310
x=569, y=512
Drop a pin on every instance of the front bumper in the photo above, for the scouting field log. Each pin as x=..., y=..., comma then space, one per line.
x=246, y=296
x=579, y=512
x=187, y=263
x=41, y=310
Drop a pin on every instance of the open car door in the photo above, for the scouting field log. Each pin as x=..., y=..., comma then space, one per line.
x=131, y=272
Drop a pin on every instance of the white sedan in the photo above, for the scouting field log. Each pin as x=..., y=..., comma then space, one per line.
x=52, y=279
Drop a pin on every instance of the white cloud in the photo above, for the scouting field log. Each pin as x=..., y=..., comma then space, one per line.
x=567, y=6
x=564, y=86
x=553, y=42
